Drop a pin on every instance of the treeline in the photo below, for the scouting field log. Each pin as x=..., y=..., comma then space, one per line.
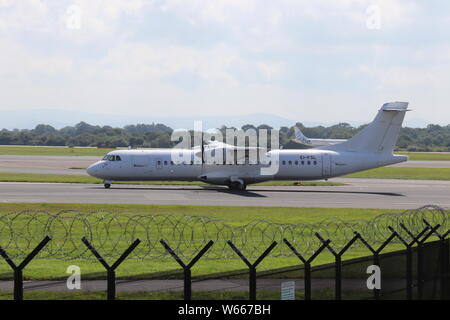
x=431, y=138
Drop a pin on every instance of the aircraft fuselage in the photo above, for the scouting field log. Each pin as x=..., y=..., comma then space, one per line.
x=313, y=164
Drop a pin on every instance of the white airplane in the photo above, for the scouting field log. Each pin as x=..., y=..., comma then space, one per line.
x=300, y=138
x=370, y=148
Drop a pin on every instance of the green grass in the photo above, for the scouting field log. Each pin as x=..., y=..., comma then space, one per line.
x=54, y=178
x=233, y=216
x=426, y=156
x=408, y=173
x=323, y=294
x=52, y=151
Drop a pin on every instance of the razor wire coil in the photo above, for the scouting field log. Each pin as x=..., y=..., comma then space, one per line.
x=113, y=232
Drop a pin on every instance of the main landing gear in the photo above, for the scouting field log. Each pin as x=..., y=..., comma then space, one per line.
x=236, y=185
x=107, y=184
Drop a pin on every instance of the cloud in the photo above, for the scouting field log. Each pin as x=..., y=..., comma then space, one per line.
x=296, y=58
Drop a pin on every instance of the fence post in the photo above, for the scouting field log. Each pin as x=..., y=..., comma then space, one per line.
x=444, y=267
x=409, y=275
x=111, y=270
x=417, y=239
x=445, y=284
x=187, y=274
x=18, y=269
x=338, y=263
x=376, y=254
x=409, y=259
x=252, y=267
x=307, y=264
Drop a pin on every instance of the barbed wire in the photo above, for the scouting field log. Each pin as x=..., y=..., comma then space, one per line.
x=112, y=232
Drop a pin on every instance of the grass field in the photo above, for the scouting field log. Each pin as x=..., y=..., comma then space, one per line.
x=408, y=173
x=233, y=216
x=77, y=151
x=322, y=294
x=325, y=294
x=52, y=151
x=54, y=178
x=426, y=156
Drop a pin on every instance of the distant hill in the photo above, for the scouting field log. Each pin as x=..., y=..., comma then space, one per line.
x=28, y=119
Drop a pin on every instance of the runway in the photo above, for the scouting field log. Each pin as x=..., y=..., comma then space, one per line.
x=358, y=193
x=46, y=164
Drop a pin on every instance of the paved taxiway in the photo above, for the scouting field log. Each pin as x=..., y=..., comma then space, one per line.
x=358, y=193
x=46, y=164
x=175, y=285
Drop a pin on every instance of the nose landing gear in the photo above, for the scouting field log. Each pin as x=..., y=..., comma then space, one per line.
x=107, y=184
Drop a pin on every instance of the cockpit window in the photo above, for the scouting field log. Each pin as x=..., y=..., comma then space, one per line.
x=111, y=158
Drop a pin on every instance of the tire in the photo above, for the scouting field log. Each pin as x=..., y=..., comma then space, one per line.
x=107, y=185
x=237, y=186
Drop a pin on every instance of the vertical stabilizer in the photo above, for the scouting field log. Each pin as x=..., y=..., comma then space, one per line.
x=299, y=136
x=381, y=134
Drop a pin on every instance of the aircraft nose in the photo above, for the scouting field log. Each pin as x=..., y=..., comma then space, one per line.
x=92, y=170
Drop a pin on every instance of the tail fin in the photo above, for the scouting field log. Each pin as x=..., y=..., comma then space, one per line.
x=381, y=134
x=300, y=136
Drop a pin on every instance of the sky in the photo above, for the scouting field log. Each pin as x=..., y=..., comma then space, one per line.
x=314, y=61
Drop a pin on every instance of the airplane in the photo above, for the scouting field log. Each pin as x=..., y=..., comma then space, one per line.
x=372, y=147
x=302, y=139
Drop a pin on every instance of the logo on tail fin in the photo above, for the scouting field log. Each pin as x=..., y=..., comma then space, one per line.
x=301, y=137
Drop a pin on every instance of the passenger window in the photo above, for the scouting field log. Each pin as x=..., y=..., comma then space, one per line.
x=165, y=163
x=296, y=162
x=158, y=162
x=290, y=162
x=315, y=162
x=309, y=162
x=303, y=162
x=118, y=158
x=171, y=163
x=284, y=162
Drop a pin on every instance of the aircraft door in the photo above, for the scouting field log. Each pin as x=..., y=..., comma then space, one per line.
x=326, y=165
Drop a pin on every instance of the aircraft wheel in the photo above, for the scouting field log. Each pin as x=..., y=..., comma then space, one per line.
x=237, y=186
x=107, y=185
x=233, y=186
x=242, y=186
